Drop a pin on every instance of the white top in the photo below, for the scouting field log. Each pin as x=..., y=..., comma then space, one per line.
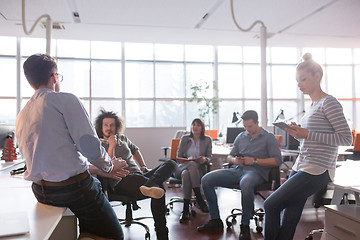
x=328, y=129
x=52, y=130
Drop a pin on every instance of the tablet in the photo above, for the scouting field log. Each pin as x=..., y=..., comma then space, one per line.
x=281, y=125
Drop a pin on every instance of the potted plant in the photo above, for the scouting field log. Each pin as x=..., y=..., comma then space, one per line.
x=200, y=94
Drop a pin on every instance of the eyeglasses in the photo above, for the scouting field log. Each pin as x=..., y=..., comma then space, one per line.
x=59, y=76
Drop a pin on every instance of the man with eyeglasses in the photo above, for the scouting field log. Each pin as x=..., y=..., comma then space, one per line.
x=53, y=130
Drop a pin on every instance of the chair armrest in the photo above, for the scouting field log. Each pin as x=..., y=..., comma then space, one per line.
x=165, y=149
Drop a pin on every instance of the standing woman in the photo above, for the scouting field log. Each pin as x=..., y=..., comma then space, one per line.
x=323, y=129
x=194, y=151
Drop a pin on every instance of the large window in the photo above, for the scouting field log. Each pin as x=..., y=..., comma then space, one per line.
x=150, y=84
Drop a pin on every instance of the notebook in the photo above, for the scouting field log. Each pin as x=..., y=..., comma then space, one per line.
x=13, y=223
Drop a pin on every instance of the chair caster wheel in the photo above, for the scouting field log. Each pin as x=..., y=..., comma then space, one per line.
x=147, y=236
x=259, y=229
x=228, y=224
x=167, y=211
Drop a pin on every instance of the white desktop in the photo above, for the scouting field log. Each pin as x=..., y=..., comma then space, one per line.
x=44, y=222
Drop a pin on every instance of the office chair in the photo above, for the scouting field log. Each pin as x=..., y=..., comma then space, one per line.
x=129, y=202
x=177, y=182
x=258, y=214
x=280, y=139
x=178, y=135
x=212, y=133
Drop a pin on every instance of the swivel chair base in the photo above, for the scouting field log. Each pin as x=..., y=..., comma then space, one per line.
x=128, y=220
x=170, y=204
x=258, y=216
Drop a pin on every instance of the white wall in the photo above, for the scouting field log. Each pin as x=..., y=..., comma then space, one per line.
x=150, y=141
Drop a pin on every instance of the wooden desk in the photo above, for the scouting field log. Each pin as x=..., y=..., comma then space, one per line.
x=342, y=222
x=45, y=222
x=343, y=154
x=347, y=180
x=224, y=150
x=220, y=152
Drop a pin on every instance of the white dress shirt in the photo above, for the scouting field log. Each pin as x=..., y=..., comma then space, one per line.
x=54, y=134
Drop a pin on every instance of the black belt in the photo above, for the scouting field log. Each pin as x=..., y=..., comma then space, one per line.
x=69, y=181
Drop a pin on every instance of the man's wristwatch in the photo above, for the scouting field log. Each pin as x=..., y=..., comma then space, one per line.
x=255, y=161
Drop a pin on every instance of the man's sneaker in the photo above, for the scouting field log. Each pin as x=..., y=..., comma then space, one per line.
x=152, y=191
x=214, y=225
x=244, y=232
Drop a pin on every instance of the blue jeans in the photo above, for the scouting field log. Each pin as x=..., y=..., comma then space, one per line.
x=247, y=180
x=290, y=197
x=89, y=204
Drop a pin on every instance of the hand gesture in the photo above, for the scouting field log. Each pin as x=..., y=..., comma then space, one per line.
x=239, y=161
x=112, y=141
x=296, y=131
x=118, y=171
x=248, y=160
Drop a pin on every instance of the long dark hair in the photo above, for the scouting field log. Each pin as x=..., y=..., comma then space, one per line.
x=202, y=124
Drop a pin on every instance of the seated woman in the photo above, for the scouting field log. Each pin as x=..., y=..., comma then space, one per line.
x=193, y=152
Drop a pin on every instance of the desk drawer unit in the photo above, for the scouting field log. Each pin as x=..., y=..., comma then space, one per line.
x=342, y=222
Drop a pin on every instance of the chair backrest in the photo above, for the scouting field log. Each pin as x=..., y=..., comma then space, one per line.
x=353, y=133
x=274, y=180
x=213, y=134
x=174, y=146
x=280, y=139
x=180, y=133
x=357, y=142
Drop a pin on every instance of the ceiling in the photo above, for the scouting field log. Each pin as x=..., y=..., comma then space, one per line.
x=298, y=23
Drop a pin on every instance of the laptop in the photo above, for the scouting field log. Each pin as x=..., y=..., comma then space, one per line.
x=13, y=223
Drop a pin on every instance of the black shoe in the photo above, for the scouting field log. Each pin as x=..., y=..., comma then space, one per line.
x=162, y=234
x=162, y=237
x=214, y=225
x=244, y=232
x=202, y=206
x=185, y=216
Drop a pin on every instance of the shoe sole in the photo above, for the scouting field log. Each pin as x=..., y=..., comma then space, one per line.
x=153, y=192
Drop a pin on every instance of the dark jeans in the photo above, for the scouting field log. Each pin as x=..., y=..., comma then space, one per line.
x=291, y=197
x=129, y=186
x=89, y=204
